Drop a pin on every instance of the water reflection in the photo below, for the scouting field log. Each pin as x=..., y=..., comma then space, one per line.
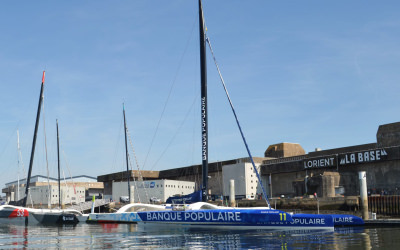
x=131, y=236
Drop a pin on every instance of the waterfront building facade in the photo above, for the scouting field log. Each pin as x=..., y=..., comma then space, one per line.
x=42, y=189
x=152, y=191
x=334, y=172
x=245, y=179
x=288, y=171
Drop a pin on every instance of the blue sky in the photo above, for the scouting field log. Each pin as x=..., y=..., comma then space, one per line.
x=320, y=73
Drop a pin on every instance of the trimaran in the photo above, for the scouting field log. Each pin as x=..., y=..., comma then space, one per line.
x=206, y=215
x=29, y=215
x=199, y=214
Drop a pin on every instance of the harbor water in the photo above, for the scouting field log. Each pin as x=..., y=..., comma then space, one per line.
x=93, y=236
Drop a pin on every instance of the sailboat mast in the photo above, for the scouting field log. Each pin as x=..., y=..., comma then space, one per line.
x=18, y=165
x=126, y=155
x=28, y=180
x=204, y=115
x=58, y=162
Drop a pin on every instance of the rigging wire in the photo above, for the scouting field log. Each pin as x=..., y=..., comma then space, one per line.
x=176, y=133
x=114, y=163
x=134, y=181
x=237, y=121
x=47, y=161
x=69, y=171
x=18, y=159
x=66, y=187
x=169, y=94
x=140, y=177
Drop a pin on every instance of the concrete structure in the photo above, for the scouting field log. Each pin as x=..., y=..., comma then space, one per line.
x=142, y=191
x=191, y=174
x=89, y=184
x=123, y=176
x=284, y=149
x=245, y=178
x=41, y=196
x=215, y=182
x=334, y=172
x=286, y=169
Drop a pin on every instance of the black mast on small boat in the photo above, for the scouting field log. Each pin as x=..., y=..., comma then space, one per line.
x=126, y=155
x=204, y=117
x=58, y=160
x=28, y=180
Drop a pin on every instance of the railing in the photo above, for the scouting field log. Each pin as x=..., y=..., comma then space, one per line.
x=384, y=205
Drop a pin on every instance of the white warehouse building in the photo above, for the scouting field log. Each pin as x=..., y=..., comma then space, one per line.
x=43, y=190
x=41, y=195
x=245, y=178
x=142, y=191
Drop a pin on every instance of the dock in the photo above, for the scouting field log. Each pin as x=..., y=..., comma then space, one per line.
x=382, y=223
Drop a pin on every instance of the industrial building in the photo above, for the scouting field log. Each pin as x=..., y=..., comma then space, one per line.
x=150, y=191
x=245, y=180
x=334, y=172
x=44, y=190
x=287, y=170
x=43, y=196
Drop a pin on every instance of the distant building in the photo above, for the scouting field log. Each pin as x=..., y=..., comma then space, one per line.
x=245, y=179
x=143, y=191
x=73, y=190
x=133, y=175
x=334, y=172
x=287, y=170
x=187, y=174
x=42, y=196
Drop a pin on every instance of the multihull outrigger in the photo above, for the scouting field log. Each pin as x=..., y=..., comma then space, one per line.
x=206, y=215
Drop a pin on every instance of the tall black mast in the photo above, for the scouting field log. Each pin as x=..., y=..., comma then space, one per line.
x=204, y=118
x=126, y=155
x=58, y=159
x=28, y=180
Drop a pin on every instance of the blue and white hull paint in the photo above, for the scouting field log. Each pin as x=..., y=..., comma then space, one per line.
x=126, y=214
x=233, y=218
x=126, y=217
x=346, y=220
x=202, y=214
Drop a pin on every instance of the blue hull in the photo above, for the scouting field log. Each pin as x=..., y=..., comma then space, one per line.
x=238, y=218
x=347, y=220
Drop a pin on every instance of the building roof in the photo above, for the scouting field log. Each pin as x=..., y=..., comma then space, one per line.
x=38, y=178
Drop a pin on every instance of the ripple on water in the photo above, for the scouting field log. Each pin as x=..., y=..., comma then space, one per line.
x=85, y=236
